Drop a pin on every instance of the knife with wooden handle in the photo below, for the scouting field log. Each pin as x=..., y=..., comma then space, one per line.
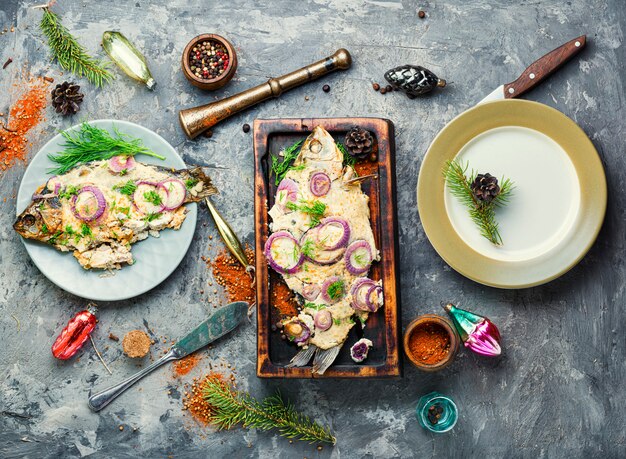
x=538, y=70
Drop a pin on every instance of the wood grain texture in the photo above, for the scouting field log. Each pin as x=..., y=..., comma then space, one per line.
x=544, y=67
x=384, y=333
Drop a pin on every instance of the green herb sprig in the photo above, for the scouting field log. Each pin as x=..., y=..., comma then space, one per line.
x=483, y=214
x=70, y=54
x=336, y=290
x=348, y=159
x=315, y=210
x=231, y=407
x=153, y=197
x=90, y=143
x=127, y=188
x=280, y=168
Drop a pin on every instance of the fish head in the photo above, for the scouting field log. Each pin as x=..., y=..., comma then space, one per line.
x=320, y=151
x=40, y=221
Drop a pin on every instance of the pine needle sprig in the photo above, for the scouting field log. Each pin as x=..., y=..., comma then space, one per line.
x=70, y=54
x=230, y=408
x=482, y=213
x=90, y=143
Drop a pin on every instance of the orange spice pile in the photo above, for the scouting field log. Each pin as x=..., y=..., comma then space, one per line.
x=25, y=114
x=184, y=366
x=429, y=343
x=229, y=273
x=283, y=299
x=194, y=401
x=366, y=167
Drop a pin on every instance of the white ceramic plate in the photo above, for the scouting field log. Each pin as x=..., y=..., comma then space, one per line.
x=155, y=258
x=545, y=200
x=557, y=206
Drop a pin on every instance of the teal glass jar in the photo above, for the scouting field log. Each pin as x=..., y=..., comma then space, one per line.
x=436, y=412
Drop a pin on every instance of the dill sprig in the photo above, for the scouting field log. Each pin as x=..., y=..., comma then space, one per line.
x=70, y=54
x=348, y=159
x=289, y=154
x=127, y=188
x=91, y=143
x=280, y=168
x=314, y=209
x=230, y=407
x=483, y=214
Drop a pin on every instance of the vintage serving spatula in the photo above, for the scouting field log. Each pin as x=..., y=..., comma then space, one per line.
x=219, y=324
x=538, y=70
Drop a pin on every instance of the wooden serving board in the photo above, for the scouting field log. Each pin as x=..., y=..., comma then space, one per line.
x=382, y=328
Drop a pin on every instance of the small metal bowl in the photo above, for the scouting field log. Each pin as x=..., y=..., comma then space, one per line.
x=442, y=322
x=219, y=81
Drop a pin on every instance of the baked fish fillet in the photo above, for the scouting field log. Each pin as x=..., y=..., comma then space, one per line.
x=98, y=210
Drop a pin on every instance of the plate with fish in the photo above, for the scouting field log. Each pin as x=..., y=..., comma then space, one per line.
x=115, y=226
x=326, y=234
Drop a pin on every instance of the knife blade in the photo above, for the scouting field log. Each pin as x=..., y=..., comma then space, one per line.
x=538, y=71
x=221, y=322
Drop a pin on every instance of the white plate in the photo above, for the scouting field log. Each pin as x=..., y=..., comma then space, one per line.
x=155, y=258
x=545, y=199
x=557, y=206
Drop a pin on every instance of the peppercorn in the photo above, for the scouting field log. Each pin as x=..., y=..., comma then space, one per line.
x=376, y=86
x=208, y=133
x=208, y=59
x=421, y=14
x=326, y=88
x=383, y=90
x=388, y=88
x=246, y=128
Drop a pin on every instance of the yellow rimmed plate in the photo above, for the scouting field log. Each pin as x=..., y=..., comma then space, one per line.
x=556, y=209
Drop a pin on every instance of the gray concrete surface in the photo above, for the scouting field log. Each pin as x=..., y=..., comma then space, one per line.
x=558, y=391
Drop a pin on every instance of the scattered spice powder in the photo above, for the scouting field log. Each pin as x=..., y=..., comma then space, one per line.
x=429, y=343
x=229, y=273
x=195, y=403
x=185, y=365
x=366, y=167
x=25, y=114
x=283, y=299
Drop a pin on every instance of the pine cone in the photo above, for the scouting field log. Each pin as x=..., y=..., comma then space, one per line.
x=414, y=80
x=485, y=188
x=359, y=142
x=66, y=98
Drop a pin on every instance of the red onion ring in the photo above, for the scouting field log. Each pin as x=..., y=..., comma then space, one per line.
x=121, y=162
x=319, y=184
x=359, y=285
x=310, y=291
x=273, y=263
x=291, y=188
x=101, y=203
x=146, y=207
x=323, y=319
x=329, y=221
x=374, y=305
x=350, y=264
x=173, y=202
x=327, y=283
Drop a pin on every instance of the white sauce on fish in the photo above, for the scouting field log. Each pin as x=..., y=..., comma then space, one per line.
x=342, y=200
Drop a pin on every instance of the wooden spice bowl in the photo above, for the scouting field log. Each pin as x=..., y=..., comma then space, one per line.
x=219, y=81
x=432, y=321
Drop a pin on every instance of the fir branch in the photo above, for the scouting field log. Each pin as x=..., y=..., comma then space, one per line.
x=482, y=214
x=70, y=54
x=230, y=407
x=91, y=143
